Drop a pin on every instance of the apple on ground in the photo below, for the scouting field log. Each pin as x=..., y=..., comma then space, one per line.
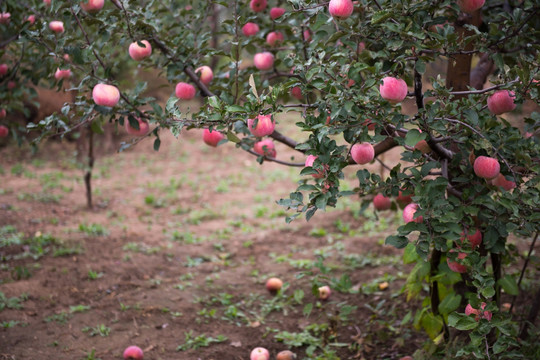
x=286, y=355
x=324, y=292
x=265, y=125
x=393, y=89
x=144, y=127
x=362, y=153
x=138, y=52
x=340, y=9
x=259, y=353
x=264, y=60
x=92, y=5
x=133, y=353
x=454, y=265
x=57, y=26
x=212, y=138
x=273, y=285
x=276, y=12
x=265, y=147
x=409, y=214
x=501, y=102
x=258, y=5
x=4, y=131
x=250, y=29
x=206, y=74
x=185, y=91
x=106, y=95
x=381, y=202
x=486, y=167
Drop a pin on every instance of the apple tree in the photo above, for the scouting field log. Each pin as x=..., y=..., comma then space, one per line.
x=468, y=176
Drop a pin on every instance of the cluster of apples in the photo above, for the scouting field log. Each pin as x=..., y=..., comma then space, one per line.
x=260, y=353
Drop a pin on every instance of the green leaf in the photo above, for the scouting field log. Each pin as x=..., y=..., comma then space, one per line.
x=157, y=144
x=509, y=285
x=462, y=321
x=431, y=324
x=413, y=136
x=253, y=87
x=399, y=242
x=410, y=255
x=450, y=303
x=420, y=66
x=232, y=137
x=307, y=309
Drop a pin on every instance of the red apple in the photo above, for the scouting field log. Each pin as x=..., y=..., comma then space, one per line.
x=362, y=153
x=185, y=91
x=324, y=292
x=285, y=355
x=501, y=101
x=62, y=74
x=206, y=74
x=296, y=92
x=92, y=5
x=66, y=58
x=409, y=212
x=138, y=52
x=274, y=285
x=500, y=181
x=454, y=265
x=264, y=60
x=4, y=131
x=144, y=127
x=403, y=199
x=4, y=18
x=212, y=138
x=393, y=89
x=133, y=353
x=31, y=19
x=309, y=163
x=57, y=26
x=265, y=125
x=259, y=353
x=258, y=5
x=307, y=35
x=474, y=238
x=106, y=95
x=340, y=9
x=250, y=29
x=381, y=202
x=276, y=12
x=370, y=125
x=274, y=38
x=3, y=69
x=3, y=113
x=470, y=6
x=422, y=146
x=265, y=147
x=47, y=2
x=486, y=167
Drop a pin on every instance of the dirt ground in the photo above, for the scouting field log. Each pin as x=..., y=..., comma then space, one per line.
x=175, y=254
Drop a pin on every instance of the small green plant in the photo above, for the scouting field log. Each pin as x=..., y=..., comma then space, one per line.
x=9, y=324
x=60, y=318
x=11, y=303
x=79, y=309
x=94, y=275
x=199, y=341
x=93, y=229
x=91, y=355
x=100, y=330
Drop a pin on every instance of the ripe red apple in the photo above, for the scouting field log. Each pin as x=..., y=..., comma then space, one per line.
x=403, y=199
x=265, y=147
x=454, y=265
x=57, y=26
x=324, y=292
x=259, y=353
x=370, y=125
x=206, y=74
x=4, y=131
x=470, y=6
x=341, y=9
x=3, y=69
x=258, y=5
x=296, y=92
x=309, y=162
x=138, y=52
x=185, y=91
x=274, y=285
x=475, y=238
x=381, y=202
x=501, y=101
x=409, y=212
x=3, y=113
x=5, y=17
x=250, y=29
x=264, y=60
x=212, y=138
x=274, y=38
x=31, y=19
x=144, y=127
x=486, y=167
x=469, y=310
x=286, y=355
x=276, y=12
x=362, y=153
x=265, y=125
x=47, y=2
x=92, y=5
x=133, y=353
x=106, y=95
x=62, y=74
x=307, y=35
x=393, y=89
x=500, y=181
